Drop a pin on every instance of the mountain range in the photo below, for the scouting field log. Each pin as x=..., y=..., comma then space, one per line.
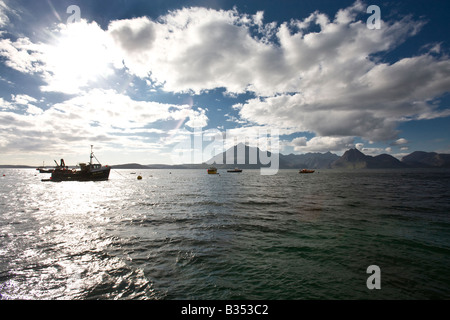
x=355, y=159
x=351, y=159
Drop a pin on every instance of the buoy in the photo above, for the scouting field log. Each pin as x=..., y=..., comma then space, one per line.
x=139, y=178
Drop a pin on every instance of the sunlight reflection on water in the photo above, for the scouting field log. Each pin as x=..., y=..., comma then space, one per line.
x=192, y=235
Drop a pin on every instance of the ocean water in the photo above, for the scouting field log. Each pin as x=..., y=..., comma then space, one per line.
x=183, y=234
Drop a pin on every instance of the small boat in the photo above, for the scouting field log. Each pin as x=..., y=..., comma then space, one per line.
x=88, y=172
x=235, y=170
x=306, y=171
x=43, y=170
x=212, y=170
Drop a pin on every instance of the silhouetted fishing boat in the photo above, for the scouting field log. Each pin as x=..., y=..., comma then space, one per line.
x=88, y=172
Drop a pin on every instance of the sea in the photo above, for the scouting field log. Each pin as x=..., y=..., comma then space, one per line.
x=187, y=235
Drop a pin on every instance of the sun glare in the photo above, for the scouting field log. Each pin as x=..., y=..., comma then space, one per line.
x=78, y=56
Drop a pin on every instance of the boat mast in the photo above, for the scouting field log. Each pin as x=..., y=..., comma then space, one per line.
x=92, y=155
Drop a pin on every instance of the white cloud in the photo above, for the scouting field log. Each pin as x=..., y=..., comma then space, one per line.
x=339, y=90
x=197, y=49
x=23, y=99
x=322, y=144
x=134, y=40
x=300, y=142
x=400, y=142
x=22, y=55
x=197, y=119
x=6, y=105
x=4, y=11
x=373, y=151
x=112, y=109
x=102, y=117
x=34, y=110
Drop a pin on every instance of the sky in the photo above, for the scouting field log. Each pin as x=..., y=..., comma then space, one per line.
x=153, y=81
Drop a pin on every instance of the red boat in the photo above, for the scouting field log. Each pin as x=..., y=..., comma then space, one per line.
x=306, y=171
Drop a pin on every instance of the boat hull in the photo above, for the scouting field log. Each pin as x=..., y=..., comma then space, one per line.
x=70, y=175
x=306, y=171
x=212, y=170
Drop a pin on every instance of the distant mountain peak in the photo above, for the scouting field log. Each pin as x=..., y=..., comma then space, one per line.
x=353, y=154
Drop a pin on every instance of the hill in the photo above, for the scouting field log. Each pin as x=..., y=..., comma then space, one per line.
x=427, y=159
x=355, y=159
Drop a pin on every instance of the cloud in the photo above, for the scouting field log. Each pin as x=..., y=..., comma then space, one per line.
x=34, y=110
x=5, y=10
x=22, y=55
x=198, y=49
x=6, y=105
x=23, y=99
x=134, y=39
x=322, y=144
x=300, y=142
x=337, y=88
x=101, y=116
x=197, y=119
x=3, y=17
x=400, y=141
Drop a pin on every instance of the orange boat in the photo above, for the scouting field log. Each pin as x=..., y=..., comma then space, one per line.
x=212, y=170
x=306, y=171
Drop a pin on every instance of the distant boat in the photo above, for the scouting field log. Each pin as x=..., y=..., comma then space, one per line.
x=212, y=170
x=43, y=170
x=306, y=171
x=235, y=170
x=87, y=172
